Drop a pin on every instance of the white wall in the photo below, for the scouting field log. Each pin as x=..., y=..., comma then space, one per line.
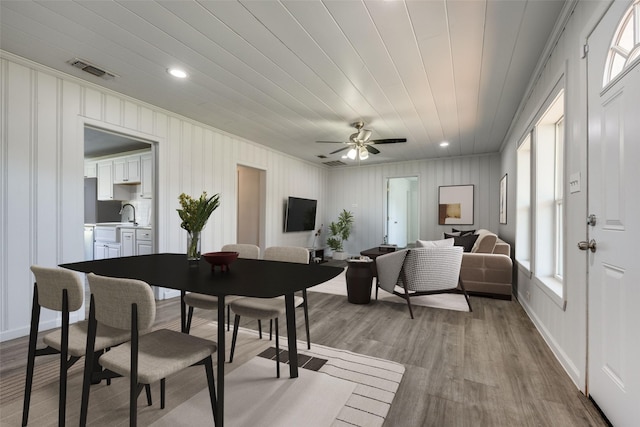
x=362, y=190
x=563, y=329
x=41, y=179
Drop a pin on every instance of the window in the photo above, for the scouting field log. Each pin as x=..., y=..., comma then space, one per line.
x=523, y=203
x=559, y=201
x=540, y=199
x=625, y=46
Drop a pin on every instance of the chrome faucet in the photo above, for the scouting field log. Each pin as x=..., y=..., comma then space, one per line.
x=133, y=209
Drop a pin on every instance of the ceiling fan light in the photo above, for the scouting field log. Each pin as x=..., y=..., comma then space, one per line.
x=352, y=154
x=364, y=154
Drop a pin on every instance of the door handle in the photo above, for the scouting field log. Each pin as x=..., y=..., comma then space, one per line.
x=584, y=245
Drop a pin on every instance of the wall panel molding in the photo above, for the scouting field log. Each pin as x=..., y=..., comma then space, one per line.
x=42, y=176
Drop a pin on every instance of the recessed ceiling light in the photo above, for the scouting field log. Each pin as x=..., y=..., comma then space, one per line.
x=444, y=144
x=176, y=72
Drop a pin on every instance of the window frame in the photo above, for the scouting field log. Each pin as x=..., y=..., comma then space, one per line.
x=546, y=233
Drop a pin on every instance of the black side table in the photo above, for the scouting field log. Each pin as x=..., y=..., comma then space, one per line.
x=359, y=277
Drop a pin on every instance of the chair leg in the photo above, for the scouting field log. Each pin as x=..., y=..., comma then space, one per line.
x=187, y=327
x=409, y=304
x=208, y=366
x=406, y=290
x=147, y=389
x=31, y=358
x=134, y=387
x=259, y=328
x=228, y=316
x=162, y=389
x=306, y=318
x=64, y=350
x=88, y=363
x=277, y=350
x=270, y=329
x=377, y=286
x=466, y=295
x=236, y=321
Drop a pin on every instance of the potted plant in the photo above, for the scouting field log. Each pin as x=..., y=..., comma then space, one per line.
x=194, y=215
x=339, y=233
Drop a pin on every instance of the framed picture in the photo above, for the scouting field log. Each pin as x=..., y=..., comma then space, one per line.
x=503, y=199
x=455, y=205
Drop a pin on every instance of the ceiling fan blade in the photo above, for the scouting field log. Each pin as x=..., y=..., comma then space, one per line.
x=364, y=135
x=371, y=149
x=342, y=149
x=388, y=141
x=331, y=142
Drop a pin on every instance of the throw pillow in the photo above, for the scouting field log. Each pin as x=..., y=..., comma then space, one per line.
x=466, y=241
x=434, y=243
x=462, y=232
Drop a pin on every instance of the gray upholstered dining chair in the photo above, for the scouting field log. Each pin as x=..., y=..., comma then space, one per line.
x=62, y=290
x=422, y=271
x=271, y=308
x=209, y=302
x=128, y=304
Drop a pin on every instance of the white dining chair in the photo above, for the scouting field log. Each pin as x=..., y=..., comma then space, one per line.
x=210, y=302
x=271, y=308
x=129, y=304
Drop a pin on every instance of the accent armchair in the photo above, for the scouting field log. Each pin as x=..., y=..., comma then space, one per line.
x=421, y=271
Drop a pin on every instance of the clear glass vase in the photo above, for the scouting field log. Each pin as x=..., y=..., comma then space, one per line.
x=193, y=245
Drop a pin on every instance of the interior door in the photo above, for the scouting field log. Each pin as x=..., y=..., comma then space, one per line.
x=614, y=198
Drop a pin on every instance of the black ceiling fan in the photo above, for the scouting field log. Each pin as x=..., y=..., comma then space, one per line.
x=359, y=144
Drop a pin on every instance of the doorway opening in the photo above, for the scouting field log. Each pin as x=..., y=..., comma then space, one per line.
x=120, y=189
x=250, y=224
x=402, y=225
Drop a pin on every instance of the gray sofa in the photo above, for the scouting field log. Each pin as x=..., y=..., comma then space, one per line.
x=488, y=270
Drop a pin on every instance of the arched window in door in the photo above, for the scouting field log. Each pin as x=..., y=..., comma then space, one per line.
x=625, y=45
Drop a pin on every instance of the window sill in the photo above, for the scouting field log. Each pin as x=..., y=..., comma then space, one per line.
x=553, y=288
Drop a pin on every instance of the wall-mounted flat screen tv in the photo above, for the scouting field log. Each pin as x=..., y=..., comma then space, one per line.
x=300, y=214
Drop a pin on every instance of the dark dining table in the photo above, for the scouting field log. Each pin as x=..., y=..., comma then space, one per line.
x=245, y=277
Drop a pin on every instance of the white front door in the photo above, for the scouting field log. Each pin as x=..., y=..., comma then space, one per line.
x=614, y=198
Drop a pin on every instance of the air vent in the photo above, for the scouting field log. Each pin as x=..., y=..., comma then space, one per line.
x=335, y=163
x=92, y=69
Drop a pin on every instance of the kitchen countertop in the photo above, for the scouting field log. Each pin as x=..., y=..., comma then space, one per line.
x=118, y=225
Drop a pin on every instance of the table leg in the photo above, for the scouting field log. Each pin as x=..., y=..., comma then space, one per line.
x=183, y=313
x=221, y=360
x=291, y=336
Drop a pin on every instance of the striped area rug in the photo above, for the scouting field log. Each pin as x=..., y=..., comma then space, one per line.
x=335, y=388
x=376, y=380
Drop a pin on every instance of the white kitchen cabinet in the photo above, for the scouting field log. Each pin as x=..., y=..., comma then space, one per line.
x=126, y=170
x=90, y=169
x=105, y=180
x=127, y=242
x=106, y=189
x=144, y=242
x=106, y=250
x=146, y=179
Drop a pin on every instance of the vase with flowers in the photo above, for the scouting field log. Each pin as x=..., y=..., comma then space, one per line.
x=194, y=215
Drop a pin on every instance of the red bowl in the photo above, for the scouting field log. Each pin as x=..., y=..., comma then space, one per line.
x=223, y=259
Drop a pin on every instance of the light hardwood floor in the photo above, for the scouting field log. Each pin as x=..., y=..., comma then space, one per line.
x=486, y=368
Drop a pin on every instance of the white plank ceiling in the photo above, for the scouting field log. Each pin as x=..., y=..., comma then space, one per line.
x=288, y=73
